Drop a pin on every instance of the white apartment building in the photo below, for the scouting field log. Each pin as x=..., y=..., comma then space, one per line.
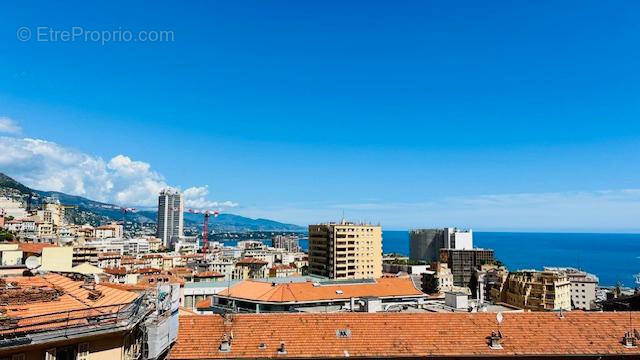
x=458, y=239
x=135, y=246
x=170, y=216
x=583, y=287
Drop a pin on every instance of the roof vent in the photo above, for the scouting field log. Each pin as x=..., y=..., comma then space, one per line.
x=262, y=346
x=225, y=343
x=339, y=292
x=282, y=350
x=343, y=333
x=316, y=284
x=494, y=340
x=629, y=340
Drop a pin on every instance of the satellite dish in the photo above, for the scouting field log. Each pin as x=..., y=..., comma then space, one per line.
x=32, y=262
x=499, y=317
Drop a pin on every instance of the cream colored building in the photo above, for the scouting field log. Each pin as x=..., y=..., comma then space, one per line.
x=537, y=290
x=345, y=250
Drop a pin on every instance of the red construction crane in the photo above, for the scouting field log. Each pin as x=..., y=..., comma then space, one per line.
x=205, y=226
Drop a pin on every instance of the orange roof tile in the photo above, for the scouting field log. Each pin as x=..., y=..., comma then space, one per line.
x=250, y=260
x=306, y=291
x=73, y=297
x=115, y=271
x=35, y=248
x=208, y=274
x=389, y=335
x=204, y=304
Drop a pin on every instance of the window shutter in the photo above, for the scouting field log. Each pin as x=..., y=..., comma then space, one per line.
x=83, y=351
x=50, y=354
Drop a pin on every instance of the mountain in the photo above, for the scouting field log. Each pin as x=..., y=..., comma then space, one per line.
x=94, y=212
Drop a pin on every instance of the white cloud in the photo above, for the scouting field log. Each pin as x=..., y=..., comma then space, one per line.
x=196, y=198
x=7, y=125
x=45, y=165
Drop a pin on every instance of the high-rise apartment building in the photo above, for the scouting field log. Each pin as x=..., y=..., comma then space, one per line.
x=345, y=250
x=286, y=242
x=170, y=216
x=425, y=244
x=463, y=263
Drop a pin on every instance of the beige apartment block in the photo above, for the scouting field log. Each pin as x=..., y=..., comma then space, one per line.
x=345, y=250
x=537, y=290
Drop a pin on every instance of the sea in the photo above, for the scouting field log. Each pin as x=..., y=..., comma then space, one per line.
x=614, y=258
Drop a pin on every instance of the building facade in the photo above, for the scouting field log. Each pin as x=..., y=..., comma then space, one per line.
x=286, y=242
x=425, y=244
x=345, y=250
x=463, y=263
x=537, y=290
x=583, y=287
x=170, y=216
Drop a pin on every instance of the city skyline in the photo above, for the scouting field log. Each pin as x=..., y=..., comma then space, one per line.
x=513, y=119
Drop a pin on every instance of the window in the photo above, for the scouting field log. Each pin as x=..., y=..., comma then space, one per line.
x=83, y=351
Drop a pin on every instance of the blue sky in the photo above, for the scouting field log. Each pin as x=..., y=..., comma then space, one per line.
x=501, y=116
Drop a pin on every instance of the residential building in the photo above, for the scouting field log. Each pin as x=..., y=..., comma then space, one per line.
x=386, y=294
x=345, y=250
x=425, y=244
x=109, y=231
x=53, y=317
x=537, y=290
x=576, y=335
x=458, y=239
x=154, y=244
x=281, y=270
x=170, y=216
x=250, y=268
x=583, y=287
x=463, y=263
x=438, y=280
x=287, y=242
x=488, y=281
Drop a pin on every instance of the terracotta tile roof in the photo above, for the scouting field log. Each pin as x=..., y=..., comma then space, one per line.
x=126, y=287
x=388, y=335
x=105, y=255
x=155, y=279
x=249, y=260
x=284, y=267
x=35, y=248
x=115, y=271
x=204, y=304
x=307, y=292
x=208, y=274
x=73, y=296
x=149, y=270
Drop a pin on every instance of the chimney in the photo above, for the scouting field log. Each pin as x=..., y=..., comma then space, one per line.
x=494, y=340
x=225, y=344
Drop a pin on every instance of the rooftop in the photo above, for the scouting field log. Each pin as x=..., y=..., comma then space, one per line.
x=35, y=248
x=38, y=302
x=310, y=292
x=385, y=335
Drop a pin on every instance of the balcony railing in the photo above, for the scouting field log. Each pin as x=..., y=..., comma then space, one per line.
x=71, y=321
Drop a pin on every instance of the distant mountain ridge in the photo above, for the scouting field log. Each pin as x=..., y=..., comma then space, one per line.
x=95, y=212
